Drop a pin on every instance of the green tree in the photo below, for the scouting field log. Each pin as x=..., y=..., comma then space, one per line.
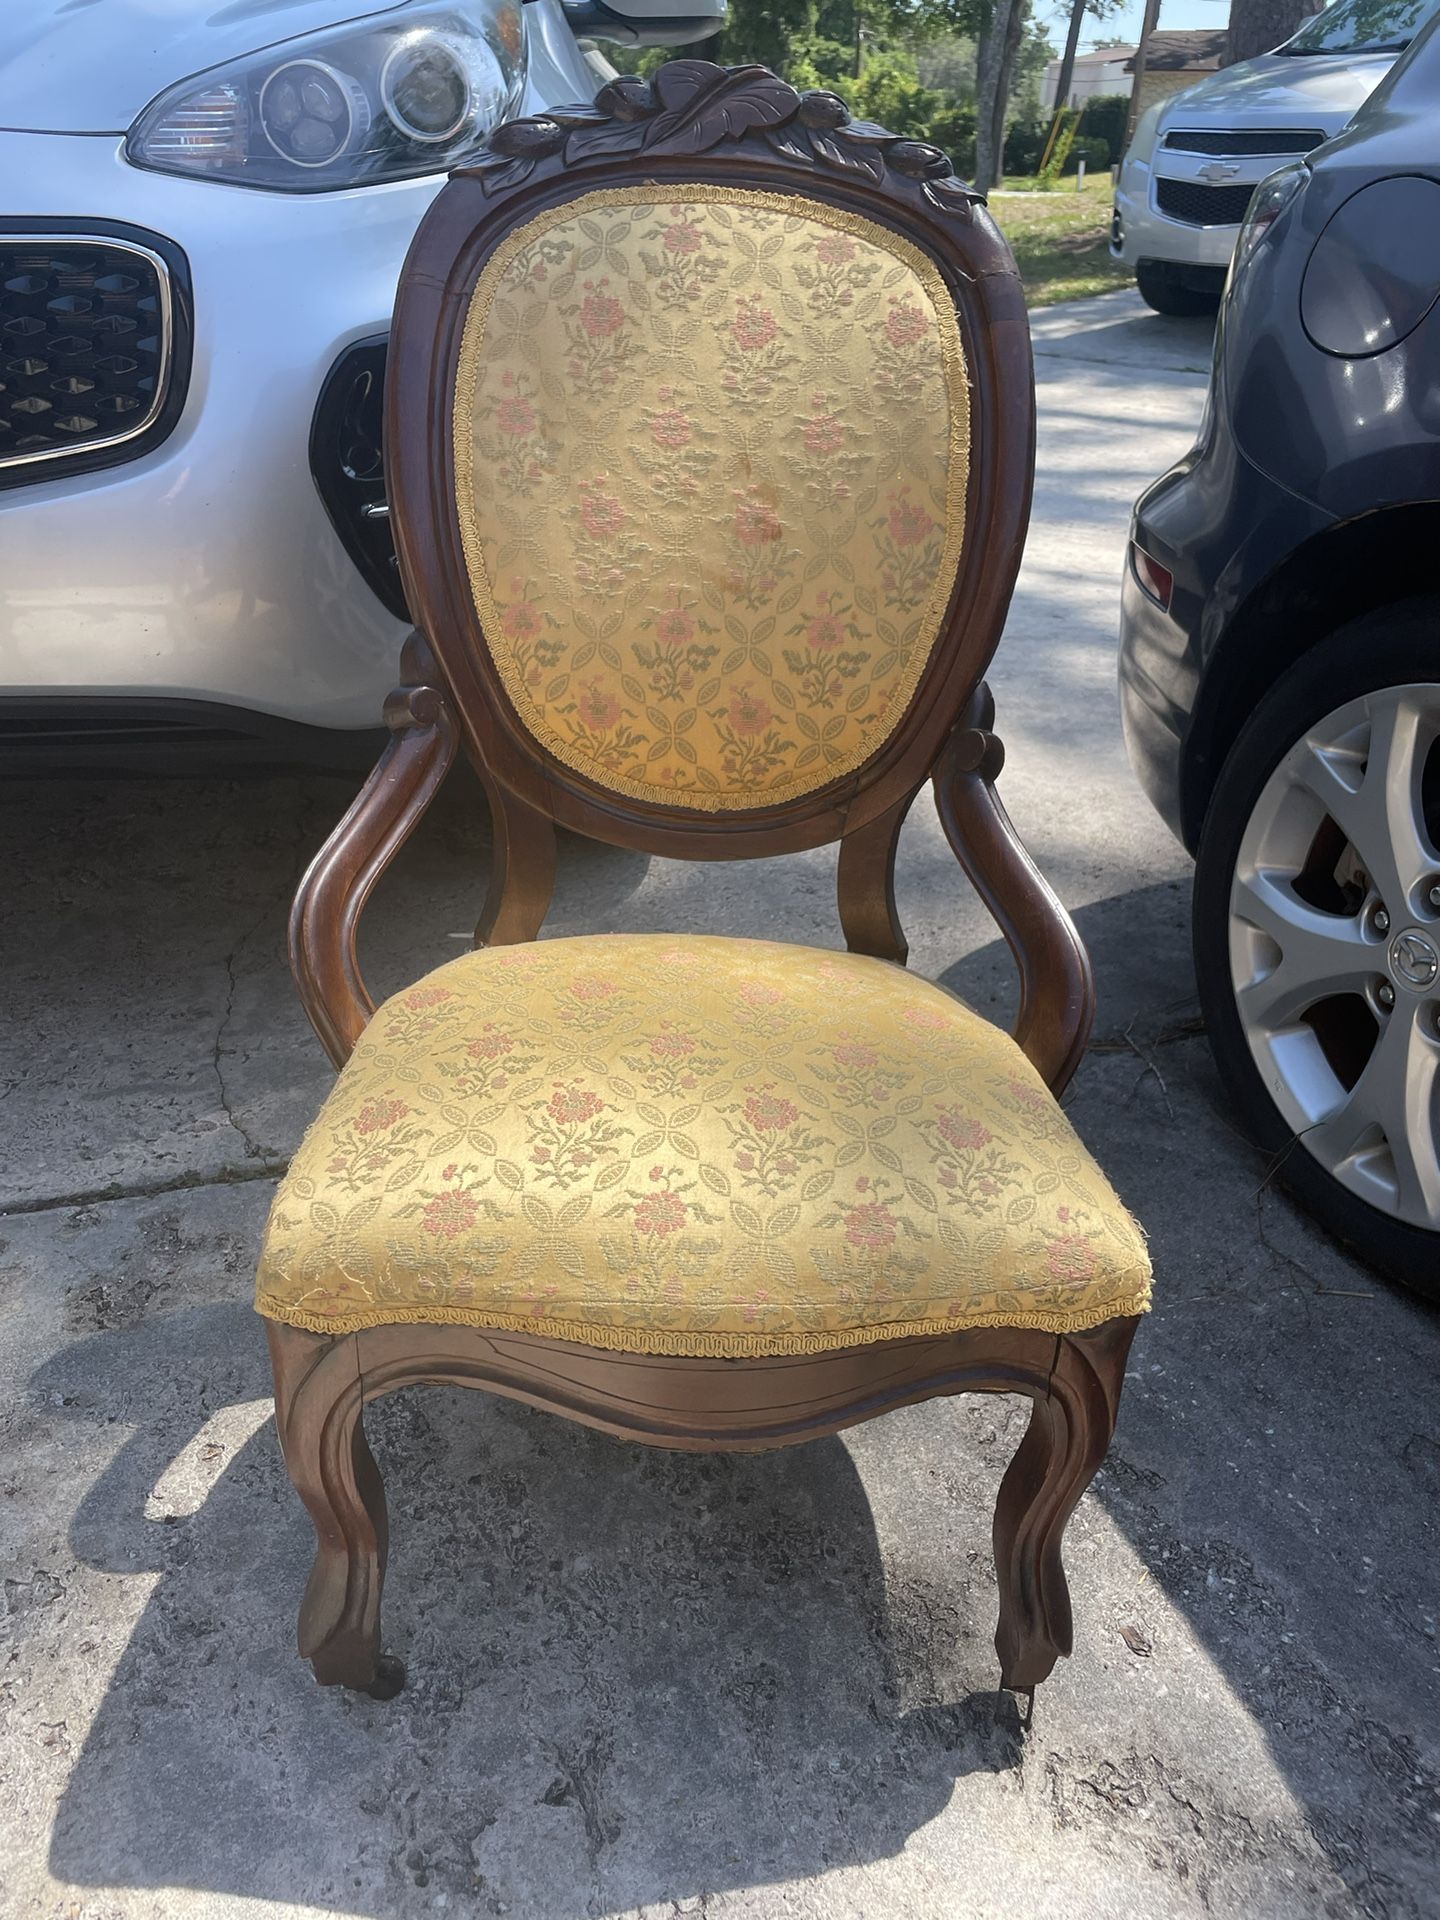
x=915, y=66
x=1027, y=74
x=765, y=31
x=948, y=64
x=777, y=33
x=999, y=41
x=1105, y=116
x=1258, y=26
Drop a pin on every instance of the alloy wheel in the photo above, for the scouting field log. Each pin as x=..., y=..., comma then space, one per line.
x=1334, y=940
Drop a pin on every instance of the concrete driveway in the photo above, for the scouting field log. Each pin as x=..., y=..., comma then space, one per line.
x=645, y=1683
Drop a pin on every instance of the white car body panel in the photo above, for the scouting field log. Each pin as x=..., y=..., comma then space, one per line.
x=207, y=570
x=1315, y=92
x=134, y=51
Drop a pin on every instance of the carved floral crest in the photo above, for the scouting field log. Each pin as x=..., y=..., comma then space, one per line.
x=692, y=105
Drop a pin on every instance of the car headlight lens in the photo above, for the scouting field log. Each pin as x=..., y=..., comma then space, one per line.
x=1267, y=203
x=426, y=89
x=1142, y=141
x=403, y=96
x=311, y=114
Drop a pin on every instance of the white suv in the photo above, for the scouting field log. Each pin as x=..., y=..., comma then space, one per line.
x=203, y=212
x=1197, y=157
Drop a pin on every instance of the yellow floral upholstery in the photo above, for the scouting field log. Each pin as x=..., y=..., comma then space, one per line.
x=711, y=461
x=694, y=1146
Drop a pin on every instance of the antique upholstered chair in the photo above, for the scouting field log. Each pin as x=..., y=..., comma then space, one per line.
x=709, y=451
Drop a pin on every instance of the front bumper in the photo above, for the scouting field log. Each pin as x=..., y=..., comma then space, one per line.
x=1140, y=232
x=208, y=569
x=1206, y=197
x=1147, y=235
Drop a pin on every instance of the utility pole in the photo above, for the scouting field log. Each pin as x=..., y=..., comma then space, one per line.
x=1152, y=15
x=1067, y=59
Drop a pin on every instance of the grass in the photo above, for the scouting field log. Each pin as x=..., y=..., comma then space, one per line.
x=1059, y=239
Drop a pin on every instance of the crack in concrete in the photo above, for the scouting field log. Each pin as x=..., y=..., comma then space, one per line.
x=270, y=1169
x=253, y=1150
x=1171, y=1036
x=268, y=1164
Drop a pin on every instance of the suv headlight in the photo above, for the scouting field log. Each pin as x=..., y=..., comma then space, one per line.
x=412, y=93
x=1147, y=129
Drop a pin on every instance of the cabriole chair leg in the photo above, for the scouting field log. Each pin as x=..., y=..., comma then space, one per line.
x=318, y=1407
x=1064, y=1444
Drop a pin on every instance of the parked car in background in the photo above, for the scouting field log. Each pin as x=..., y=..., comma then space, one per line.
x=204, y=215
x=1197, y=157
x=1280, y=675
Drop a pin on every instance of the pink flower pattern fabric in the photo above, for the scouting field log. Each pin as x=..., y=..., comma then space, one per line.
x=693, y=1145
x=712, y=456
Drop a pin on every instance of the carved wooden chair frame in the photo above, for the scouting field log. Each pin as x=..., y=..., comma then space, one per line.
x=696, y=123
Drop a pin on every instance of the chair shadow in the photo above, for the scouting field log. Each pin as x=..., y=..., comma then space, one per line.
x=656, y=1675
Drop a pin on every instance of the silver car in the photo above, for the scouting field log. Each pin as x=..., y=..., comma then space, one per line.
x=204, y=215
x=1197, y=157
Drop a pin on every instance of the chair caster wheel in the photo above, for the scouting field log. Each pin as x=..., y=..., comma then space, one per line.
x=389, y=1678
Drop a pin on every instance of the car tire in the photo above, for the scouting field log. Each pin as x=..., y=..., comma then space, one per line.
x=1165, y=295
x=1299, y=1079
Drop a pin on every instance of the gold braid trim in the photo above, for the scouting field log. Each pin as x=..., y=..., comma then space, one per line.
x=957, y=387
x=717, y=1346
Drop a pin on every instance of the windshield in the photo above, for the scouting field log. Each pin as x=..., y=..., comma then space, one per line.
x=1362, y=26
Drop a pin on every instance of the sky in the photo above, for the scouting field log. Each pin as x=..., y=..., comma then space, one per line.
x=1124, y=24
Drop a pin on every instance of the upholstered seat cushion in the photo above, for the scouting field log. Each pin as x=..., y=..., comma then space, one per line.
x=693, y=1146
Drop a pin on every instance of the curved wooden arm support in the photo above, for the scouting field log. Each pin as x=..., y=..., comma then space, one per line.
x=332, y=896
x=522, y=871
x=865, y=885
x=1057, y=989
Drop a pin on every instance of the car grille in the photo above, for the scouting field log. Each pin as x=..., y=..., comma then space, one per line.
x=87, y=351
x=1201, y=206
x=1251, y=140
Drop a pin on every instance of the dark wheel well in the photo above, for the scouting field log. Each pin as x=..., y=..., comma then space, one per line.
x=1353, y=568
x=1175, y=291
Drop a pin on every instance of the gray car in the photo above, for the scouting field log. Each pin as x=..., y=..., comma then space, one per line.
x=1280, y=674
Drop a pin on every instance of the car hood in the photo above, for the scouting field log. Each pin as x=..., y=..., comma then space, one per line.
x=90, y=66
x=1282, y=90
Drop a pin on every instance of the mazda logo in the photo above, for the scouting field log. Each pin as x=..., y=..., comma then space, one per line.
x=1414, y=960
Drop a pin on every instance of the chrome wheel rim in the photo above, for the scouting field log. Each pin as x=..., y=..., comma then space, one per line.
x=1335, y=946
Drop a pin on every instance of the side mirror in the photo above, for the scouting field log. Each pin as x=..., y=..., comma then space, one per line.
x=646, y=23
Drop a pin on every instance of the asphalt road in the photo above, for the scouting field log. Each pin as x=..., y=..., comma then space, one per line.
x=644, y=1683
